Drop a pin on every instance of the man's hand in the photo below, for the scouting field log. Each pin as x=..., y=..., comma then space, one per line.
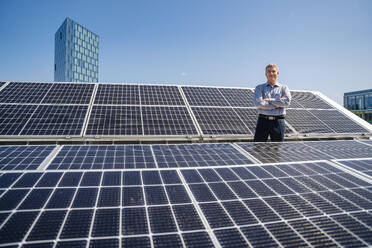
x=266, y=99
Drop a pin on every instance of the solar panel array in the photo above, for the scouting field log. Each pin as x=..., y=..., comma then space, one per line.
x=134, y=112
x=194, y=195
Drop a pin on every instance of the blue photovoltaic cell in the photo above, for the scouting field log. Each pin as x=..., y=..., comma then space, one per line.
x=106, y=222
x=134, y=221
x=72, y=244
x=167, y=241
x=56, y=120
x=85, y=198
x=161, y=219
x=140, y=242
x=117, y=94
x=230, y=238
x=196, y=155
x=67, y=93
x=70, y=179
x=187, y=217
x=91, y=179
x=103, y=157
x=115, y=120
x=23, y=157
x=133, y=196
x=203, y=96
x=14, y=117
x=167, y=121
x=197, y=239
x=104, y=243
x=160, y=95
x=109, y=197
x=24, y=92
x=77, y=224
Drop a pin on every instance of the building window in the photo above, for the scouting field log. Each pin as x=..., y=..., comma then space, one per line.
x=368, y=117
x=60, y=35
x=359, y=102
x=55, y=67
x=351, y=102
x=368, y=101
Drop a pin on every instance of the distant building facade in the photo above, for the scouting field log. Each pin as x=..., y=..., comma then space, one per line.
x=75, y=53
x=360, y=103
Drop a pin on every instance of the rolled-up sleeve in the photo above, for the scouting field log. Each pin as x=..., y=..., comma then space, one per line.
x=282, y=102
x=259, y=102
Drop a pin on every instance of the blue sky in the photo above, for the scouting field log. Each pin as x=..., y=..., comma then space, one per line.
x=323, y=45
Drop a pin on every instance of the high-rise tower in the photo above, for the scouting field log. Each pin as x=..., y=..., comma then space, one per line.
x=75, y=53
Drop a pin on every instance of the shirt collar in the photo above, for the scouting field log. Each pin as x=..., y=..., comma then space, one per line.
x=275, y=85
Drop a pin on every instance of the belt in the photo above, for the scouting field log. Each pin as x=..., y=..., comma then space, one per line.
x=271, y=117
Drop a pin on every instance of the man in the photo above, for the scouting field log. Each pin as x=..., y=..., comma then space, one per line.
x=271, y=99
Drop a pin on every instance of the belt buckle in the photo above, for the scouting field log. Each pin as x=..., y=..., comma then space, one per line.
x=271, y=118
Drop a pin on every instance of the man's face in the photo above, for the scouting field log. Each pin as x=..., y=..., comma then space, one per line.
x=272, y=74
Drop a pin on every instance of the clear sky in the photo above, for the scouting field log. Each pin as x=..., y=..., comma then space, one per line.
x=323, y=45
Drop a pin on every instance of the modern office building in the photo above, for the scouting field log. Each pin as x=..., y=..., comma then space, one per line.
x=76, y=53
x=360, y=103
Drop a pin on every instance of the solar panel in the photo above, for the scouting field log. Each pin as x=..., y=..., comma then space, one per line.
x=167, y=121
x=115, y=120
x=219, y=121
x=305, y=122
x=74, y=93
x=160, y=95
x=195, y=155
x=56, y=120
x=238, y=97
x=245, y=205
x=14, y=117
x=184, y=195
x=2, y=84
x=24, y=92
x=338, y=121
x=117, y=94
x=23, y=157
x=203, y=96
x=283, y=152
x=103, y=157
x=309, y=100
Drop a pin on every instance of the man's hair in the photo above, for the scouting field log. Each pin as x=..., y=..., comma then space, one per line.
x=271, y=66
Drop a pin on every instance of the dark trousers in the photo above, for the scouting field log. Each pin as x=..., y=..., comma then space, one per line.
x=274, y=128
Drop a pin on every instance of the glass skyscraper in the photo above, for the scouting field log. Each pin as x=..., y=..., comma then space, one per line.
x=75, y=53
